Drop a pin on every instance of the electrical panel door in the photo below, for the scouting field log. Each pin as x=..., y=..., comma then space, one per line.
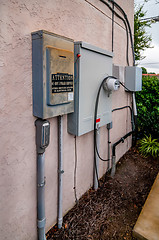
x=92, y=65
x=53, y=74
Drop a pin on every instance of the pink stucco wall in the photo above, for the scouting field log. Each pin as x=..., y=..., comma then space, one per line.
x=76, y=19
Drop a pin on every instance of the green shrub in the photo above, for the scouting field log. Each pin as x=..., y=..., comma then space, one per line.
x=148, y=107
x=149, y=147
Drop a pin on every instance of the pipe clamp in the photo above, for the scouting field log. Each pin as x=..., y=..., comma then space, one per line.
x=61, y=171
x=41, y=223
x=42, y=184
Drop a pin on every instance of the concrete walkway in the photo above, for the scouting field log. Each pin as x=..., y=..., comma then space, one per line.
x=147, y=225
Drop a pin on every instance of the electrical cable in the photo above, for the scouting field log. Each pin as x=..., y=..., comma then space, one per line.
x=113, y=28
x=126, y=27
x=134, y=123
x=120, y=108
x=119, y=141
x=124, y=86
x=135, y=126
x=127, y=24
x=127, y=21
x=131, y=112
x=104, y=13
x=133, y=52
x=75, y=171
x=95, y=117
x=127, y=59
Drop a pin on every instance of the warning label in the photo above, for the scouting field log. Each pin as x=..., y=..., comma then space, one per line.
x=62, y=82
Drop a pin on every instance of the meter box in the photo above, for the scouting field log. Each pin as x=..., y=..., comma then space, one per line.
x=53, y=74
x=133, y=78
x=92, y=65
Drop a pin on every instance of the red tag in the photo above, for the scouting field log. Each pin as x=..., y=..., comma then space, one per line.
x=98, y=120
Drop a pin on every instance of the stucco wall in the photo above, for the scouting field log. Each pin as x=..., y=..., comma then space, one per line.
x=79, y=20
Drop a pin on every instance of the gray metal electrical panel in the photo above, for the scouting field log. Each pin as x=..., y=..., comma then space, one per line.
x=53, y=74
x=92, y=65
x=133, y=78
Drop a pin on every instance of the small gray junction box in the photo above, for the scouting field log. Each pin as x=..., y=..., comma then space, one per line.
x=133, y=78
x=92, y=65
x=52, y=74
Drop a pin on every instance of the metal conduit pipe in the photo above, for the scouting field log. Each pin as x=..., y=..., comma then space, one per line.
x=42, y=141
x=108, y=147
x=109, y=126
x=134, y=107
x=122, y=139
x=41, y=196
x=113, y=152
x=60, y=170
x=135, y=117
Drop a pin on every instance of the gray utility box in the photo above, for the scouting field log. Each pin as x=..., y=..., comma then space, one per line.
x=92, y=65
x=53, y=74
x=133, y=78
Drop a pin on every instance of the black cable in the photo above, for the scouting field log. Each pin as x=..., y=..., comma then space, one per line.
x=95, y=117
x=113, y=28
x=134, y=126
x=133, y=53
x=119, y=141
x=104, y=160
x=127, y=21
x=75, y=171
x=131, y=38
x=120, y=108
x=126, y=27
x=131, y=112
x=124, y=86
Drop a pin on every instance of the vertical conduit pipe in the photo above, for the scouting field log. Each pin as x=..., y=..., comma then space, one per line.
x=42, y=141
x=113, y=28
x=109, y=126
x=113, y=166
x=108, y=148
x=41, y=196
x=96, y=168
x=134, y=106
x=135, y=117
x=60, y=169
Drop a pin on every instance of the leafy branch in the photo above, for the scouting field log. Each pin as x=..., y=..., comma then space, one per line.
x=142, y=40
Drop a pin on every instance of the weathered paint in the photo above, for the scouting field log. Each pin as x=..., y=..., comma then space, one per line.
x=79, y=20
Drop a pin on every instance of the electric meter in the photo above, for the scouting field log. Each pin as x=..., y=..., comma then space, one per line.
x=111, y=84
